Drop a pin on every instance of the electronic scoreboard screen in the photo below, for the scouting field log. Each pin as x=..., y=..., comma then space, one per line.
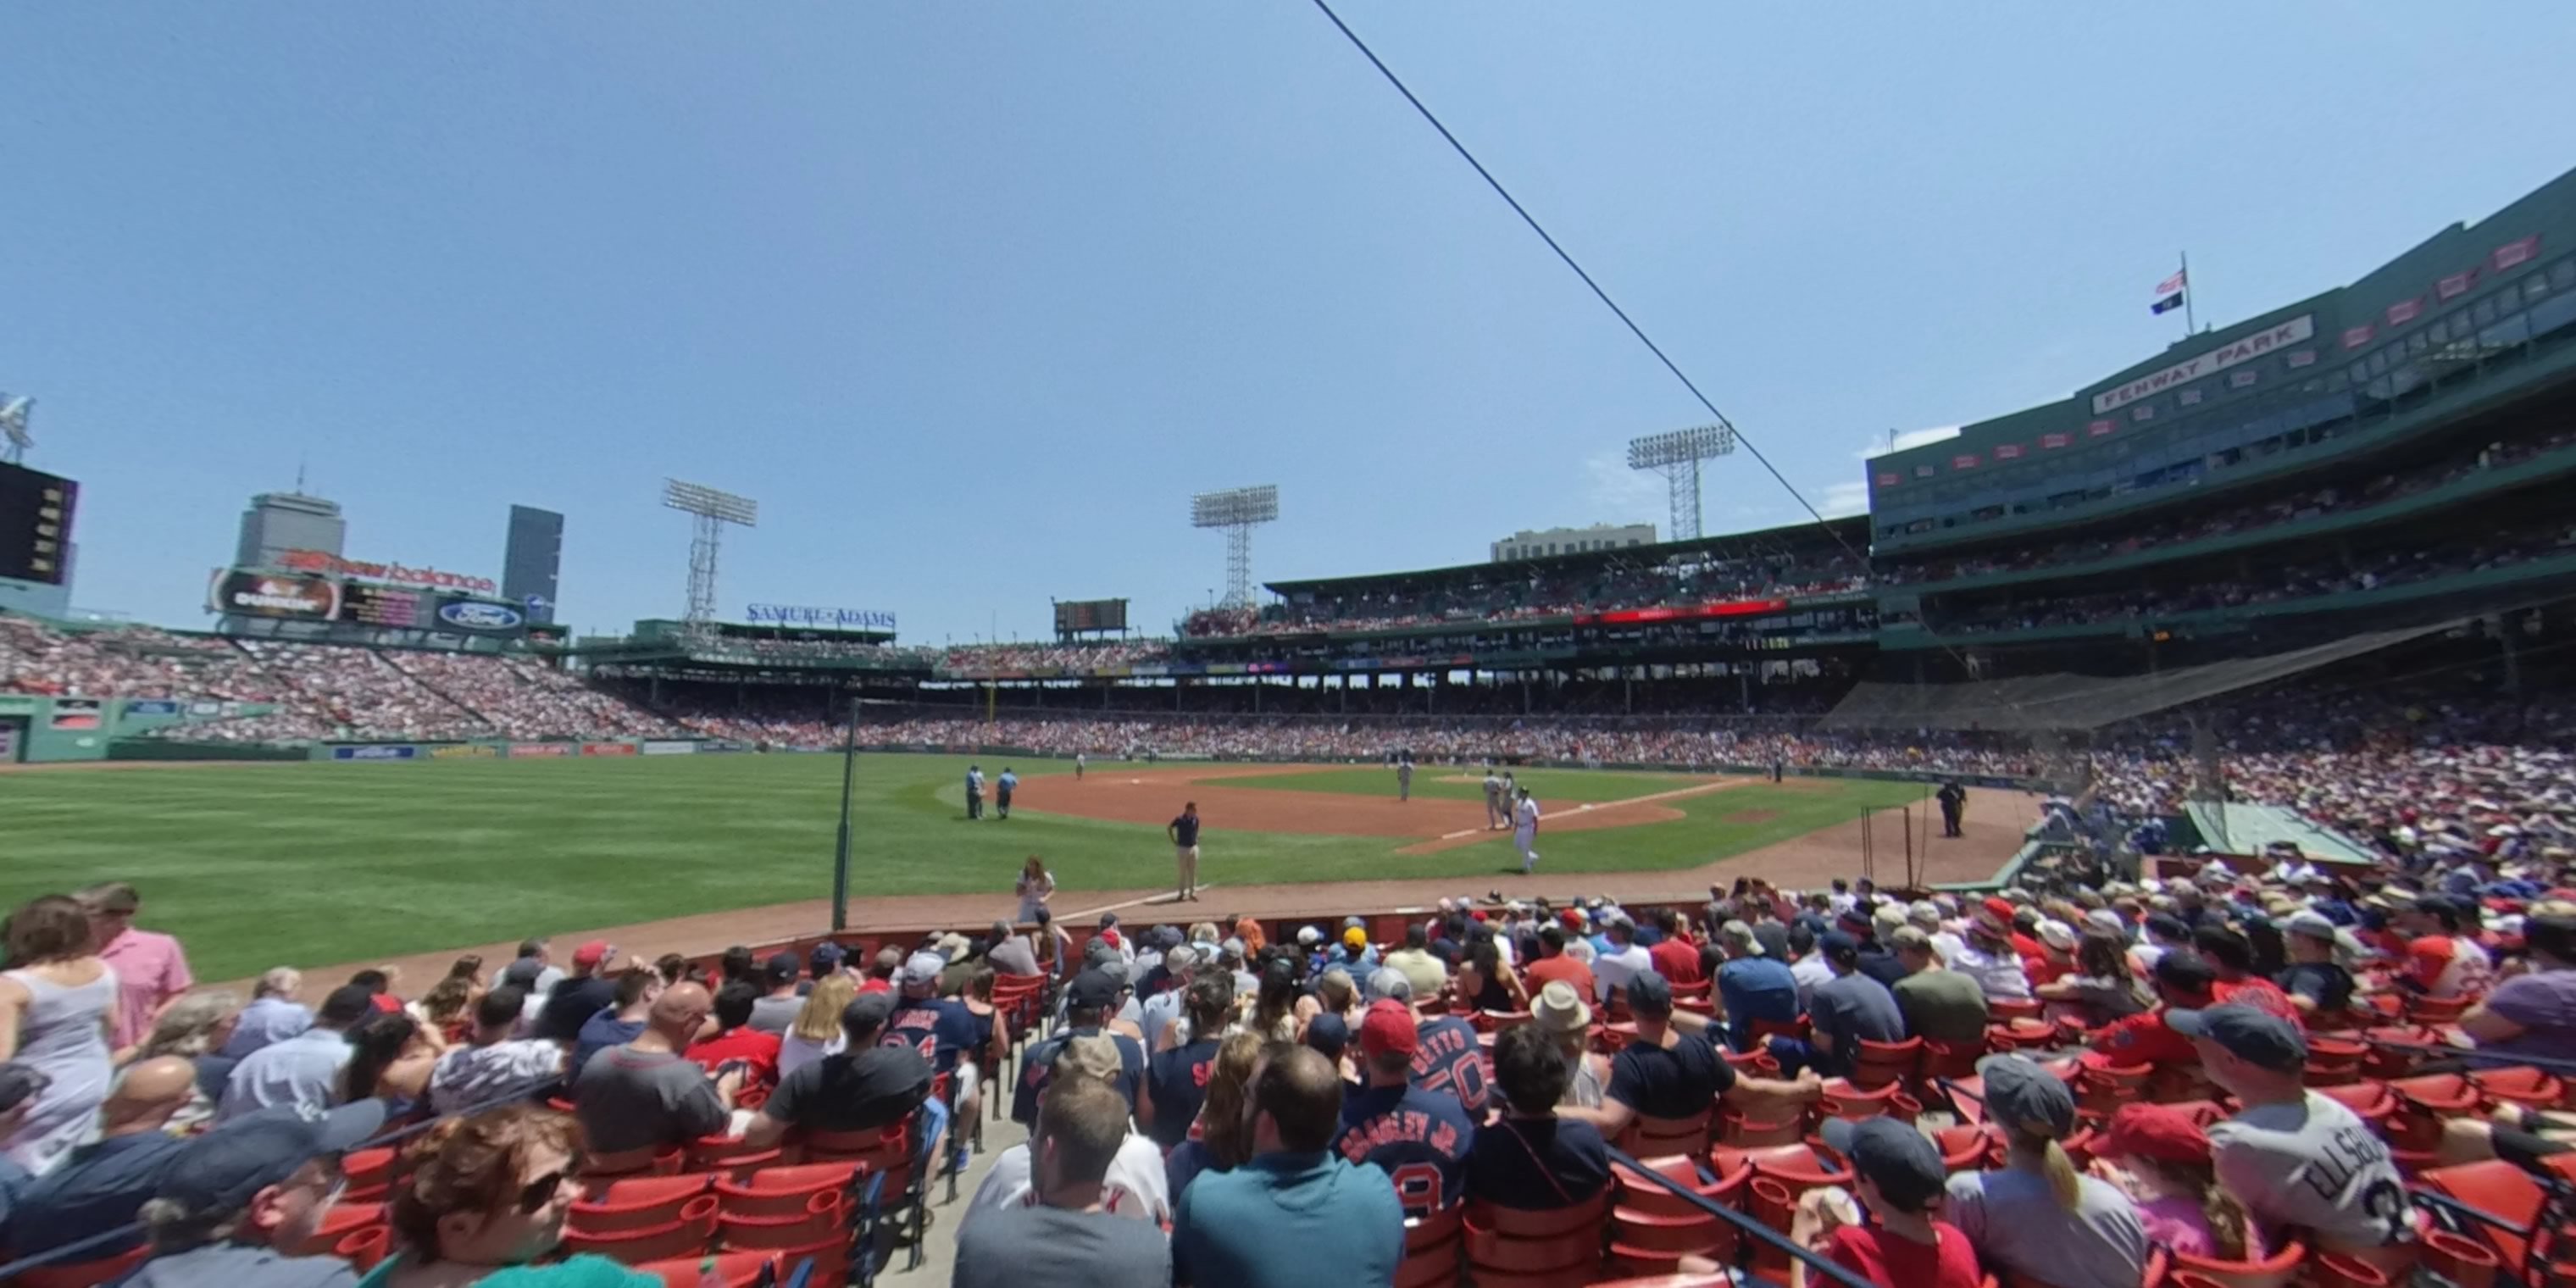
x=1074, y=615
x=35, y=525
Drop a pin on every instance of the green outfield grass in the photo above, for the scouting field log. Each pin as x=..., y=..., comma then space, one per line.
x=260, y=865
x=1549, y=785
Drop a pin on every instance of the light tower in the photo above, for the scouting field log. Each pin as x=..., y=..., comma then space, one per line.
x=1677, y=456
x=713, y=510
x=1237, y=510
x=13, y=428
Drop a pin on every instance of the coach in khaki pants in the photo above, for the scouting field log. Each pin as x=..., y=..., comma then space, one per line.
x=1184, y=832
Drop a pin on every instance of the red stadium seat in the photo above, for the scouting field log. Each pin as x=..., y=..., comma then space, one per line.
x=2499, y=1189
x=1535, y=1249
x=1651, y=1136
x=363, y=1248
x=822, y=1216
x=685, y=1237
x=635, y=1203
x=370, y=1174
x=342, y=1220
x=725, y=1154
x=784, y=1191
x=2274, y=1271
x=1432, y=1246
x=723, y=1270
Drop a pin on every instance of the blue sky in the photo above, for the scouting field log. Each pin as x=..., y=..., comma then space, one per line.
x=971, y=297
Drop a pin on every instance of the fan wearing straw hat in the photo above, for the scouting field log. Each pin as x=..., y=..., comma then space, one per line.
x=2038, y=1217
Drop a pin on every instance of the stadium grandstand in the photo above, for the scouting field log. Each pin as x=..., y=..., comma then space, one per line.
x=2277, y=621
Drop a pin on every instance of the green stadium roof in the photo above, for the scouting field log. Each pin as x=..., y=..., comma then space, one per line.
x=1854, y=532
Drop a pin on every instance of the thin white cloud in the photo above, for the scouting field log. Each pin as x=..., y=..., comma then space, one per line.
x=1878, y=445
x=1622, y=495
x=1839, y=500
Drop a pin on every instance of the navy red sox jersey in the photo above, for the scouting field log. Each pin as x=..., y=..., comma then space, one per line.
x=1177, y=1081
x=1448, y=1058
x=1417, y=1137
x=939, y=1029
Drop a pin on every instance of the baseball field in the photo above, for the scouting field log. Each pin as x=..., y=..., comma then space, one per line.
x=255, y=865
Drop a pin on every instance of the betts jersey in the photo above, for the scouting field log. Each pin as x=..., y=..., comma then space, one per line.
x=1448, y=1058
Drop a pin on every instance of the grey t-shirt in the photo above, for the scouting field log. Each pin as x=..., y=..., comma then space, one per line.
x=2313, y=1165
x=628, y=1099
x=2016, y=1224
x=240, y=1265
x=1013, y=1246
x=774, y=1014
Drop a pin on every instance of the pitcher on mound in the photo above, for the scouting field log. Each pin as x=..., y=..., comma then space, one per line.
x=1525, y=832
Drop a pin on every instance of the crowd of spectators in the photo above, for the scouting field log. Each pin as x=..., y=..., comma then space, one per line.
x=1198, y=1098
x=2297, y=506
x=986, y=659
x=314, y=691
x=2275, y=582
x=1506, y=592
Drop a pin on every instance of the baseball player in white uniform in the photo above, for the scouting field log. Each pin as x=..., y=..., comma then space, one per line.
x=1525, y=832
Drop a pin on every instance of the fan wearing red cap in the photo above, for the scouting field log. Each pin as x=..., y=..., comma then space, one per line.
x=1416, y=1135
x=2160, y=1155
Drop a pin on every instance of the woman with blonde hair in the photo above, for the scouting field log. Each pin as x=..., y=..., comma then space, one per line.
x=816, y=1031
x=194, y=1027
x=2037, y=1217
x=1221, y=1139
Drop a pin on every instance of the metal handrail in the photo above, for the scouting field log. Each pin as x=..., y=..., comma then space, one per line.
x=1742, y=1222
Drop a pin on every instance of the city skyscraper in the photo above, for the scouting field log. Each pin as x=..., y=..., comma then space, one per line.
x=531, y=561
x=277, y=522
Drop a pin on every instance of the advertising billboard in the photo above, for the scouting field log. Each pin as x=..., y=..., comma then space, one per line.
x=482, y=616
x=369, y=604
x=293, y=596
x=375, y=753
x=848, y=619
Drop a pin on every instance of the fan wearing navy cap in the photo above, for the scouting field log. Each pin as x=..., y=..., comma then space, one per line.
x=235, y=1196
x=1898, y=1175
x=2298, y=1160
x=1089, y=1001
x=1416, y=1136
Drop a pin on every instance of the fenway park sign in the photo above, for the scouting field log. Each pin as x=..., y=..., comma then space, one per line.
x=2242, y=349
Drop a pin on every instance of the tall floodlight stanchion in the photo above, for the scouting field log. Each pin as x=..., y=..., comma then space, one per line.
x=1238, y=511
x=1676, y=456
x=14, y=440
x=841, y=846
x=712, y=510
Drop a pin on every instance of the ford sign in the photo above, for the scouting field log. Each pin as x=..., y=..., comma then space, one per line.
x=476, y=616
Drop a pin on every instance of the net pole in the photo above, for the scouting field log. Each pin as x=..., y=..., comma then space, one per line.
x=841, y=843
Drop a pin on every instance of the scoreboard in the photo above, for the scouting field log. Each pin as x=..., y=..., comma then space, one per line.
x=35, y=524
x=1074, y=616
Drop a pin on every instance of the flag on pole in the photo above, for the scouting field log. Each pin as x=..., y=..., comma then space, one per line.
x=2169, y=292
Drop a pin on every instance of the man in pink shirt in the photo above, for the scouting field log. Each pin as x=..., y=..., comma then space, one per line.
x=151, y=969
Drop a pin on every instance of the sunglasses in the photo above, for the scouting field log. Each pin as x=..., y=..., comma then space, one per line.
x=541, y=1191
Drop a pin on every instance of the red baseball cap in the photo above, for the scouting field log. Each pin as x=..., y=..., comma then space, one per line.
x=2160, y=1132
x=590, y=954
x=1478, y=914
x=2001, y=908
x=1388, y=1029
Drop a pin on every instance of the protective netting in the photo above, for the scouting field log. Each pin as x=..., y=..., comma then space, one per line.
x=2066, y=701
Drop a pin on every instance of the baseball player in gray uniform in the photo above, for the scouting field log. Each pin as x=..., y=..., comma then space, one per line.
x=1404, y=778
x=1497, y=814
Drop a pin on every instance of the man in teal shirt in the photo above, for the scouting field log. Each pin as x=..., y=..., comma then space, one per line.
x=1296, y=1205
